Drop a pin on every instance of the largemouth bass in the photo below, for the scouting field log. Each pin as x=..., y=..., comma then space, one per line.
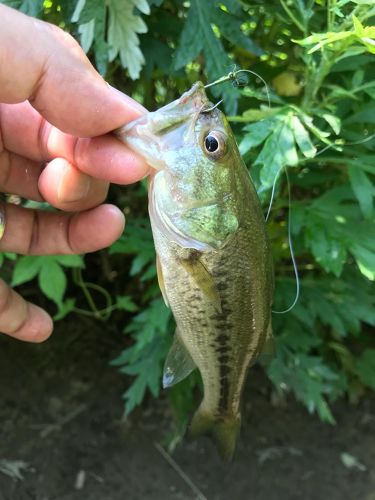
x=213, y=255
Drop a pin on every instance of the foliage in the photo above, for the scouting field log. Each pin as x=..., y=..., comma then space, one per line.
x=318, y=59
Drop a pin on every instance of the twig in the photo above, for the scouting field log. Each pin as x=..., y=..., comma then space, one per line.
x=70, y=416
x=180, y=472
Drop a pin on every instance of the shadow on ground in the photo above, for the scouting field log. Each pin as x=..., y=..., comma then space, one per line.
x=62, y=431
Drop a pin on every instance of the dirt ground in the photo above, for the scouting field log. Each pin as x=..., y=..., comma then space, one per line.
x=61, y=416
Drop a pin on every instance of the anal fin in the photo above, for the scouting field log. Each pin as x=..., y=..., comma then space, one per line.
x=178, y=365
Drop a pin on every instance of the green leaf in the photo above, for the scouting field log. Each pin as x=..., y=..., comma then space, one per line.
x=256, y=134
x=365, y=259
x=70, y=260
x=302, y=138
x=29, y=7
x=64, y=309
x=365, y=368
x=334, y=121
x=148, y=373
x=366, y=114
x=363, y=189
x=278, y=151
x=230, y=28
x=126, y=303
x=157, y=55
x=358, y=27
x=26, y=269
x=52, y=280
x=197, y=36
x=123, y=29
x=91, y=16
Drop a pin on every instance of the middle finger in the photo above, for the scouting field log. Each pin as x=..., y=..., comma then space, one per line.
x=59, y=183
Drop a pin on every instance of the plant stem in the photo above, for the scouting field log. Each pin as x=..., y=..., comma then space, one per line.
x=77, y=276
x=293, y=17
x=315, y=77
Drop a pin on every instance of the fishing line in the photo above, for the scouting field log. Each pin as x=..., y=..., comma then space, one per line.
x=272, y=194
x=233, y=77
x=290, y=242
x=355, y=143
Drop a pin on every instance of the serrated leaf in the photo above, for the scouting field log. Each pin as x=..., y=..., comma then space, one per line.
x=26, y=269
x=157, y=55
x=123, y=29
x=363, y=189
x=302, y=138
x=278, y=151
x=230, y=28
x=91, y=16
x=256, y=134
x=86, y=32
x=52, y=280
x=197, y=36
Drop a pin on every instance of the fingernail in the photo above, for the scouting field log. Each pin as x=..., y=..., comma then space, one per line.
x=73, y=187
x=131, y=103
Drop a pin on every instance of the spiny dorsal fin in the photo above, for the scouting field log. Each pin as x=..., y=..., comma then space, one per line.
x=203, y=279
x=161, y=280
x=178, y=365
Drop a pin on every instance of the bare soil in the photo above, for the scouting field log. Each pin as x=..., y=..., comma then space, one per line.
x=61, y=414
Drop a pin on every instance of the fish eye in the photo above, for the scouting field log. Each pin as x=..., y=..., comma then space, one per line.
x=211, y=143
x=215, y=144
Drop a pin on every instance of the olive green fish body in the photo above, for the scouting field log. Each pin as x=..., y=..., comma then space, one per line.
x=214, y=255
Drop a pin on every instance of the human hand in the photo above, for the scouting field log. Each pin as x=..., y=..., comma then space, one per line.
x=55, y=112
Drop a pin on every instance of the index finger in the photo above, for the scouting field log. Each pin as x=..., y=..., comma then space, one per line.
x=45, y=65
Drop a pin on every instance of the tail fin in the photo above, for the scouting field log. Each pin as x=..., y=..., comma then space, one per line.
x=224, y=430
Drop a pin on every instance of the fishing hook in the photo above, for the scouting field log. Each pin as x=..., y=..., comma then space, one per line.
x=233, y=77
x=208, y=110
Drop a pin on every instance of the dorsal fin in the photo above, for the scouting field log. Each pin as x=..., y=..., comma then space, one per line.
x=178, y=365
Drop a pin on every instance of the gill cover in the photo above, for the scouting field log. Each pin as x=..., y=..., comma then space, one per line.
x=190, y=194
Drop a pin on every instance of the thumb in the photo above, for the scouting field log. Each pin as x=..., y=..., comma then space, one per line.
x=42, y=63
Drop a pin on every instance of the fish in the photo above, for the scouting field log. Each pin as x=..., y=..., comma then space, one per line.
x=214, y=260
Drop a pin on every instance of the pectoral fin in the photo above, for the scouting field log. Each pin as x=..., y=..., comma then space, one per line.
x=203, y=279
x=178, y=365
x=161, y=280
